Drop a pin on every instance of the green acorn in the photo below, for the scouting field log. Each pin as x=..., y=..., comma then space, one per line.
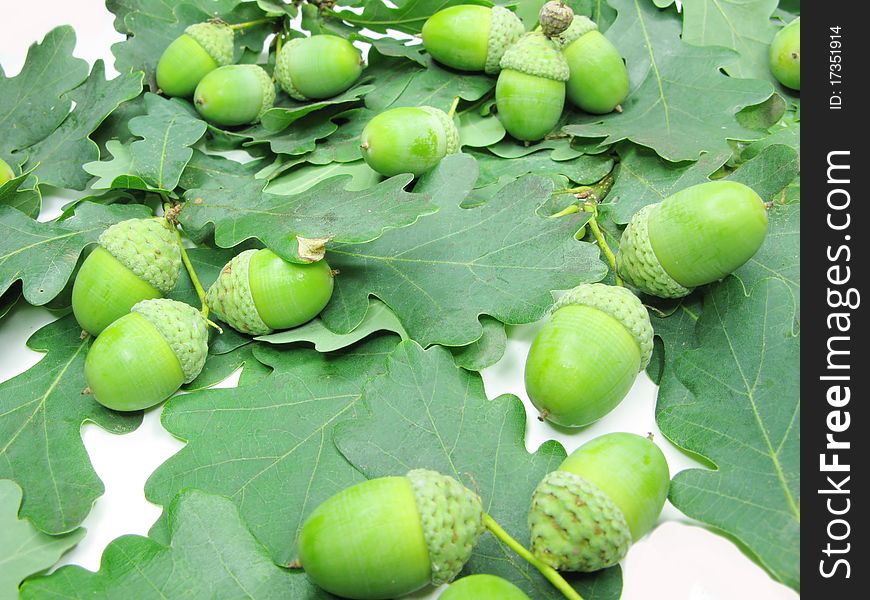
x=137, y=259
x=606, y=495
x=530, y=92
x=258, y=292
x=6, y=172
x=785, y=55
x=470, y=37
x=201, y=49
x=694, y=237
x=234, y=95
x=145, y=356
x=320, y=66
x=391, y=536
x=585, y=359
x=483, y=587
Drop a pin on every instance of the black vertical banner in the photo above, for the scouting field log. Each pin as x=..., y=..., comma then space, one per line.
x=834, y=254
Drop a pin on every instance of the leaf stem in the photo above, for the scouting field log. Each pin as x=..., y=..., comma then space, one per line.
x=453, y=106
x=246, y=24
x=602, y=243
x=547, y=571
x=200, y=292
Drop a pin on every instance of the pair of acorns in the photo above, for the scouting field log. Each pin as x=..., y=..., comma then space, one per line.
x=536, y=70
x=388, y=537
x=147, y=346
x=199, y=62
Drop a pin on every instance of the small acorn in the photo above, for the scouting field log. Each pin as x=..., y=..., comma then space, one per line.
x=6, y=172
x=599, y=78
x=391, y=536
x=320, y=66
x=234, y=95
x=585, y=359
x=202, y=48
x=258, y=292
x=785, y=55
x=470, y=37
x=408, y=140
x=694, y=237
x=483, y=587
x=530, y=92
x=136, y=259
x=145, y=356
x=605, y=496
x=555, y=17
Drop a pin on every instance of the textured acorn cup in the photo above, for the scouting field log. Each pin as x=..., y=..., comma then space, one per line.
x=530, y=92
x=408, y=140
x=785, y=55
x=483, y=587
x=320, y=66
x=201, y=49
x=145, y=356
x=6, y=172
x=606, y=495
x=599, y=79
x=136, y=260
x=694, y=237
x=585, y=359
x=234, y=95
x=388, y=537
x=258, y=292
x=470, y=37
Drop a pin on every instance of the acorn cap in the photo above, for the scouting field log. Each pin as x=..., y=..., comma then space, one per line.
x=230, y=297
x=452, y=519
x=148, y=247
x=282, y=70
x=620, y=304
x=216, y=39
x=505, y=28
x=580, y=25
x=184, y=329
x=268, y=89
x=575, y=526
x=535, y=54
x=448, y=126
x=555, y=17
x=638, y=264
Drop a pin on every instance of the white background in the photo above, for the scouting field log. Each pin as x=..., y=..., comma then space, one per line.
x=680, y=560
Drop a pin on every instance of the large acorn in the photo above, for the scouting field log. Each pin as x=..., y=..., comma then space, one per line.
x=234, y=95
x=483, y=587
x=136, y=260
x=694, y=237
x=320, y=66
x=470, y=37
x=202, y=48
x=388, y=537
x=785, y=55
x=258, y=292
x=606, y=495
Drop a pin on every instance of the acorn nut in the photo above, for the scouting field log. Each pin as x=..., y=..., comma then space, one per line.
x=605, y=496
x=555, y=17
x=483, y=587
x=258, y=292
x=316, y=67
x=136, y=259
x=785, y=55
x=391, y=536
x=234, y=95
x=694, y=237
x=202, y=48
x=585, y=359
x=470, y=37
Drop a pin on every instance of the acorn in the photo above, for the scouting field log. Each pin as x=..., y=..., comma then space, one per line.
x=135, y=260
x=555, y=17
x=408, y=140
x=530, y=92
x=391, y=536
x=258, y=292
x=599, y=78
x=785, y=55
x=316, y=67
x=483, y=587
x=202, y=48
x=585, y=358
x=605, y=496
x=145, y=356
x=694, y=237
x=234, y=95
x=471, y=38
x=6, y=172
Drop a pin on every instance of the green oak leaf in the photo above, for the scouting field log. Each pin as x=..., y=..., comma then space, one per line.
x=769, y=172
x=425, y=412
x=41, y=414
x=210, y=553
x=287, y=113
x=561, y=148
x=267, y=445
x=8, y=300
x=585, y=169
x=479, y=131
x=499, y=259
x=789, y=135
x=118, y=173
x=44, y=255
x=209, y=171
x=327, y=210
x=305, y=176
x=406, y=16
x=395, y=48
x=28, y=201
x=765, y=115
x=299, y=139
x=25, y=550
x=343, y=145
x=484, y=352
x=679, y=103
x=438, y=86
x=391, y=76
